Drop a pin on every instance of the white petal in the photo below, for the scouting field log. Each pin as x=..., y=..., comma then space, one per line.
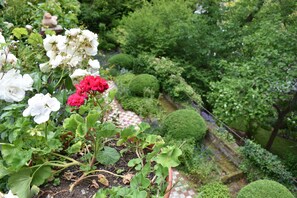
x=42, y=117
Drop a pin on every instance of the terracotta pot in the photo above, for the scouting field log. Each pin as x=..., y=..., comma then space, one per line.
x=169, y=180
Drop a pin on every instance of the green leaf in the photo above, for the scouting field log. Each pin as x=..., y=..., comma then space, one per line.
x=138, y=194
x=92, y=119
x=3, y=170
x=35, y=39
x=134, y=162
x=41, y=175
x=81, y=130
x=140, y=181
x=108, y=156
x=107, y=130
x=144, y=126
x=111, y=94
x=169, y=156
x=74, y=148
x=18, y=32
x=72, y=122
x=19, y=183
x=15, y=157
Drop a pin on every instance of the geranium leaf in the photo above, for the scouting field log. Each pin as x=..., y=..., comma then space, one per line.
x=92, y=118
x=15, y=157
x=108, y=156
x=19, y=183
x=140, y=181
x=107, y=130
x=74, y=148
x=81, y=130
x=72, y=122
x=169, y=156
x=41, y=174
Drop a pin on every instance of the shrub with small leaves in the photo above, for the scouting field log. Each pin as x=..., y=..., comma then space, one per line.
x=184, y=124
x=214, y=190
x=265, y=164
x=122, y=60
x=265, y=188
x=144, y=83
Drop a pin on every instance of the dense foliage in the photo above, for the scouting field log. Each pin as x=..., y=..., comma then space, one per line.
x=121, y=61
x=103, y=15
x=144, y=85
x=264, y=188
x=184, y=124
x=259, y=163
x=214, y=190
x=31, y=12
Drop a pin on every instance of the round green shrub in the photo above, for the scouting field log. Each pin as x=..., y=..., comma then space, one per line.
x=185, y=123
x=265, y=189
x=143, y=85
x=122, y=60
x=124, y=79
x=214, y=190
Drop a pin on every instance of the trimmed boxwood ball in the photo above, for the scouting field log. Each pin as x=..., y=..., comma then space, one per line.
x=184, y=123
x=140, y=85
x=122, y=60
x=265, y=189
x=214, y=190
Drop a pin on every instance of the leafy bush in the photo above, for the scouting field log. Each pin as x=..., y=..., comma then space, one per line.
x=122, y=60
x=264, y=164
x=103, y=15
x=66, y=10
x=144, y=107
x=214, y=190
x=123, y=82
x=265, y=188
x=144, y=83
x=197, y=160
x=184, y=124
x=169, y=73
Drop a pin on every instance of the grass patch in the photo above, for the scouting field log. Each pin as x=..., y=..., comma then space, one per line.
x=281, y=146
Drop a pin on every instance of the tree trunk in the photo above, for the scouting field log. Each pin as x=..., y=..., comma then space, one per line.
x=277, y=126
x=281, y=114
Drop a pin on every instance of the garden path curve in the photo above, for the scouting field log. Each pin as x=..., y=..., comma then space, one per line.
x=181, y=187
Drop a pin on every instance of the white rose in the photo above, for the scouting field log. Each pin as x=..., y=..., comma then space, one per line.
x=40, y=106
x=94, y=64
x=13, y=86
x=44, y=67
x=79, y=73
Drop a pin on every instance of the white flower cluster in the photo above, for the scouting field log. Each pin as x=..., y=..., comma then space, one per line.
x=40, y=106
x=70, y=50
x=13, y=85
x=5, y=55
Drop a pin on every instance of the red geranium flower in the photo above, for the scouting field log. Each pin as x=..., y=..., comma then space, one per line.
x=76, y=100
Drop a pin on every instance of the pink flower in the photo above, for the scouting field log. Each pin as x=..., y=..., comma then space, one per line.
x=76, y=100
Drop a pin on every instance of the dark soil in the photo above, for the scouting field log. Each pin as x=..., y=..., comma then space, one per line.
x=89, y=186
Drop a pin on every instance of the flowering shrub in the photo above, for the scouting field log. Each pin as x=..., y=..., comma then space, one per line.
x=69, y=51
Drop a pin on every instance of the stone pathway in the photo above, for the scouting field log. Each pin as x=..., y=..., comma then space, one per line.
x=181, y=188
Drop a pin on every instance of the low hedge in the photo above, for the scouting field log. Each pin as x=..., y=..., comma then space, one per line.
x=265, y=189
x=184, y=124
